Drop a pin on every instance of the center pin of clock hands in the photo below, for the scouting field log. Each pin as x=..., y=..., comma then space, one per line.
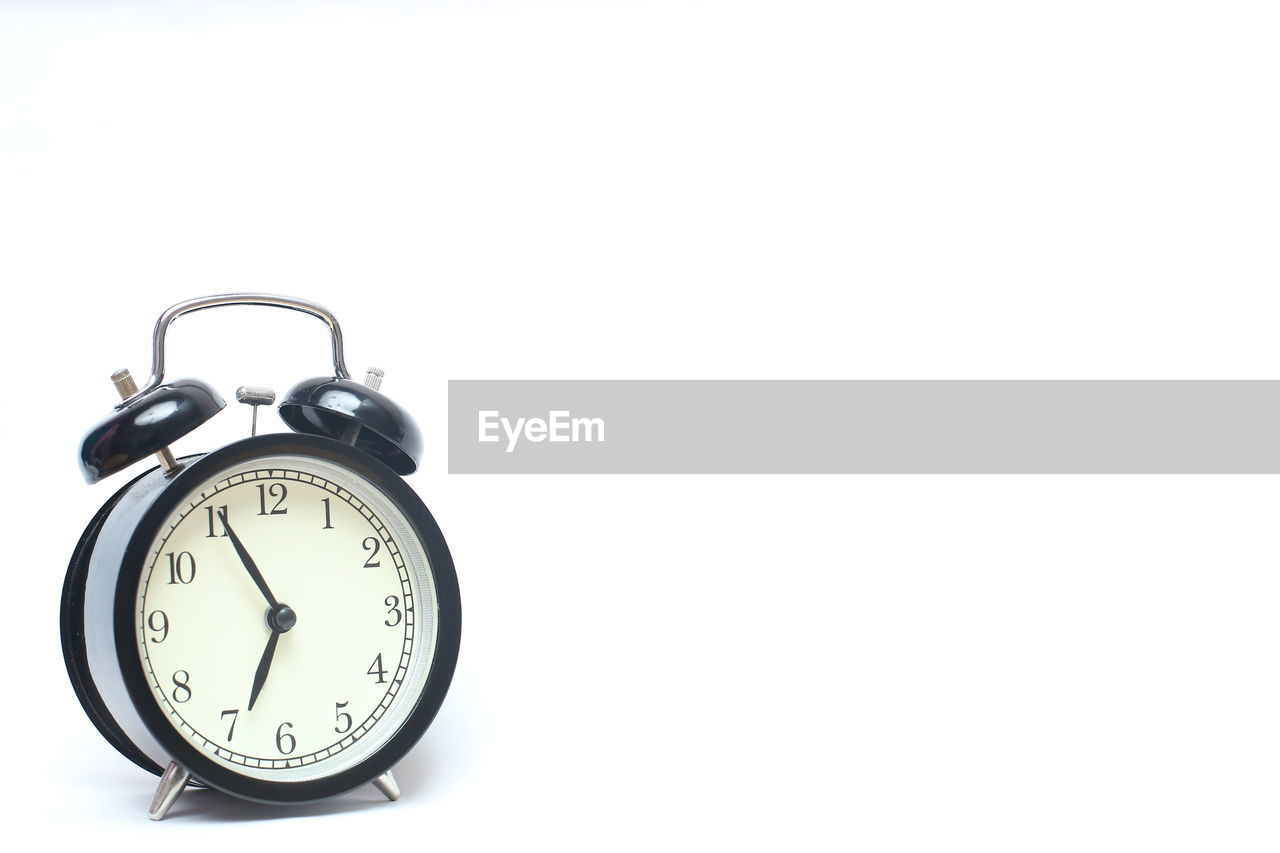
x=280, y=617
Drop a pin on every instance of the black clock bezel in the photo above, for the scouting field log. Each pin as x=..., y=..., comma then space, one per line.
x=448, y=628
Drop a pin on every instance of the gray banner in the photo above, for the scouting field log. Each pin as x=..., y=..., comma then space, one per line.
x=863, y=427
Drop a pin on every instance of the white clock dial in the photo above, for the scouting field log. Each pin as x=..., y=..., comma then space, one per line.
x=329, y=681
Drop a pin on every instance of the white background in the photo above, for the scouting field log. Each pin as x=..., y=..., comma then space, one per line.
x=703, y=190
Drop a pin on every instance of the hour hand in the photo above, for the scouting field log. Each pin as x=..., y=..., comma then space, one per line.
x=264, y=666
x=249, y=565
x=280, y=619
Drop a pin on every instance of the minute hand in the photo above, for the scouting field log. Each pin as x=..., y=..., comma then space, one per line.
x=249, y=565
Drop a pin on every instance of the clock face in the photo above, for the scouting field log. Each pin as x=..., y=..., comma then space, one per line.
x=286, y=618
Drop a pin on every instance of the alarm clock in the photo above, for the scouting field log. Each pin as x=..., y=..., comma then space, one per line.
x=277, y=619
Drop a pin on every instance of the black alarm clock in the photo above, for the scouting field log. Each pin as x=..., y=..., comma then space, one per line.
x=277, y=619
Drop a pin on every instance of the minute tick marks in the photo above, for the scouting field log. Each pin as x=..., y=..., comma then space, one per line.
x=320, y=555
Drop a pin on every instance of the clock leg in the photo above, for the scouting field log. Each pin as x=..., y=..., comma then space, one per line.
x=386, y=783
x=171, y=785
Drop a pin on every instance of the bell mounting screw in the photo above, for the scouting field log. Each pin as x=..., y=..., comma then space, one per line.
x=255, y=397
x=372, y=379
x=126, y=387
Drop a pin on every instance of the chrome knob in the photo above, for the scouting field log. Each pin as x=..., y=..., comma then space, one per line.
x=255, y=397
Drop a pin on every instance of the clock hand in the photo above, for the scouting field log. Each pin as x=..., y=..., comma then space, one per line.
x=248, y=561
x=280, y=619
x=264, y=666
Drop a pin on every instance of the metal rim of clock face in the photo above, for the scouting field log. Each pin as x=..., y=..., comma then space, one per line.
x=326, y=539
x=439, y=564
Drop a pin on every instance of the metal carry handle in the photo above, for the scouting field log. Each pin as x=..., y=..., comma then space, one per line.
x=265, y=299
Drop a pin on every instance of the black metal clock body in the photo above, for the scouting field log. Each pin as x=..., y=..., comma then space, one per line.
x=100, y=622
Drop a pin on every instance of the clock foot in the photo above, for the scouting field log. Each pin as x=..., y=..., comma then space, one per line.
x=386, y=783
x=171, y=785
